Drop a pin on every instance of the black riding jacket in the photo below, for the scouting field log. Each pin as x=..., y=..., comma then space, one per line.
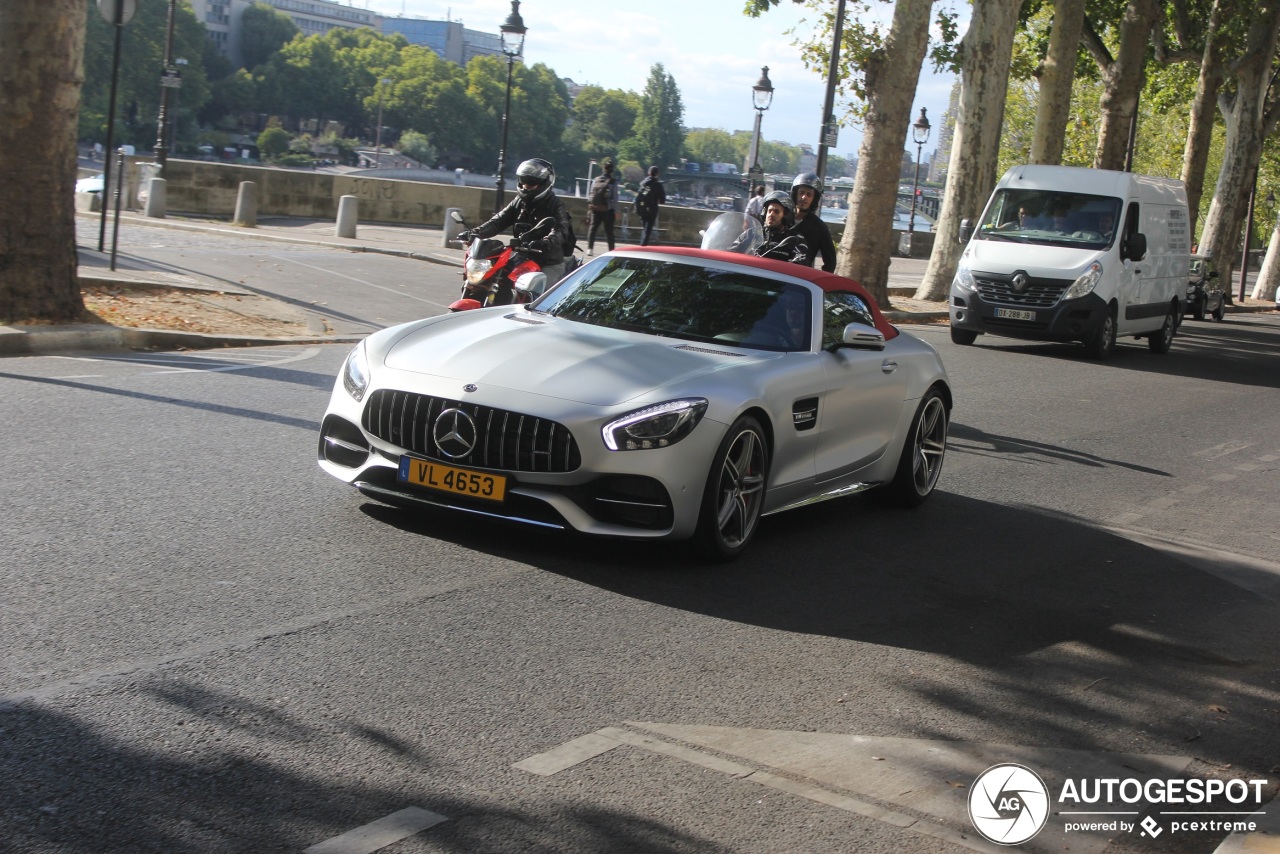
x=520, y=211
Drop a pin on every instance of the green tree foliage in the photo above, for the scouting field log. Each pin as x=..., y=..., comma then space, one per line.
x=142, y=50
x=418, y=146
x=658, y=136
x=712, y=145
x=273, y=142
x=263, y=31
x=602, y=119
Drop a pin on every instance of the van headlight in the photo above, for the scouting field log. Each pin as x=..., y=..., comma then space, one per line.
x=658, y=426
x=355, y=372
x=964, y=278
x=1086, y=283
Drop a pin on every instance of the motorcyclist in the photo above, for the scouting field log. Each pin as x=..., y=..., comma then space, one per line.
x=781, y=241
x=535, y=200
x=806, y=192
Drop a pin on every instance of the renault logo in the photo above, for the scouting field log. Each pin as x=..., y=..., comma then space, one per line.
x=1020, y=281
x=454, y=433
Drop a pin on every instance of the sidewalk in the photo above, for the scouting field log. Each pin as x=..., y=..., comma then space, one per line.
x=419, y=243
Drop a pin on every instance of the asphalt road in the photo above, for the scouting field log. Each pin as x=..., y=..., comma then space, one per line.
x=214, y=647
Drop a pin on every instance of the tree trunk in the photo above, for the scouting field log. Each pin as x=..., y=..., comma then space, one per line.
x=987, y=48
x=41, y=69
x=891, y=77
x=1269, y=276
x=1053, y=110
x=1195, y=156
x=1247, y=124
x=1123, y=84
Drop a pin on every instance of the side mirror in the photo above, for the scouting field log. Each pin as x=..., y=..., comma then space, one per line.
x=456, y=216
x=863, y=337
x=1135, y=246
x=966, y=230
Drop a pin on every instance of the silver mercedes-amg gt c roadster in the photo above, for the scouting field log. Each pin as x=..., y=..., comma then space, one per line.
x=655, y=392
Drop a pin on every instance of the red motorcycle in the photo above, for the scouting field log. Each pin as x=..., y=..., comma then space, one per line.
x=494, y=273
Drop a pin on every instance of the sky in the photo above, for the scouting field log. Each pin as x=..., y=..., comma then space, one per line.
x=712, y=50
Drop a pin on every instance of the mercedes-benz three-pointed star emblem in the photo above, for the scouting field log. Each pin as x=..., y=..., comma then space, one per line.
x=454, y=433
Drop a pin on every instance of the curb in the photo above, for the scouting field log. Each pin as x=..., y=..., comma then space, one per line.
x=31, y=340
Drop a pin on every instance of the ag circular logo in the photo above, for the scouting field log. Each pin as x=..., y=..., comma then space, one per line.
x=1008, y=803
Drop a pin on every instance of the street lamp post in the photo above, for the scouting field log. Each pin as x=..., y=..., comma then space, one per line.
x=920, y=134
x=377, y=145
x=167, y=81
x=513, y=31
x=761, y=98
x=181, y=65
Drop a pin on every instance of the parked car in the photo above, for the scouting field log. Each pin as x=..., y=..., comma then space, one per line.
x=653, y=393
x=92, y=184
x=1204, y=296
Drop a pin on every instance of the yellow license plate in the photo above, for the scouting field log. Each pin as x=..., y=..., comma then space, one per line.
x=442, y=478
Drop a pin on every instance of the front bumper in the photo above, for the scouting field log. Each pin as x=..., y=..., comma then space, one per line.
x=648, y=494
x=1066, y=320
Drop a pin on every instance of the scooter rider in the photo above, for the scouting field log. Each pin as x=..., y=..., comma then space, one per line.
x=535, y=201
x=781, y=240
x=806, y=192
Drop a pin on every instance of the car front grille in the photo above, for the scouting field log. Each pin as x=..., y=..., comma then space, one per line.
x=503, y=440
x=1039, y=293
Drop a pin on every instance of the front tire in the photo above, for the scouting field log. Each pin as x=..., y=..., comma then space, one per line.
x=922, y=455
x=1219, y=312
x=734, y=494
x=1161, y=341
x=963, y=337
x=1101, y=342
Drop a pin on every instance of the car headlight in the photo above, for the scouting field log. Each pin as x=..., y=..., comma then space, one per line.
x=658, y=426
x=1086, y=283
x=477, y=269
x=964, y=278
x=355, y=372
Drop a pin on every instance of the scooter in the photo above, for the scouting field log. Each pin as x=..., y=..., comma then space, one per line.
x=495, y=273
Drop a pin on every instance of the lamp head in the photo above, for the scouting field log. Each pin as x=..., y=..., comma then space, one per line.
x=920, y=130
x=513, y=30
x=762, y=91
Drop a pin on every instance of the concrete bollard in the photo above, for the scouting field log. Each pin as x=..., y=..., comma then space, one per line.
x=247, y=205
x=348, y=213
x=451, y=229
x=157, y=198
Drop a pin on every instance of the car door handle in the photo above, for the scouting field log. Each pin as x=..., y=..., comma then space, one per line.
x=888, y=366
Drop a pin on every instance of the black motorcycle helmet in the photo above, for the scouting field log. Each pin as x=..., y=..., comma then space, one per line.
x=540, y=173
x=788, y=205
x=810, y=180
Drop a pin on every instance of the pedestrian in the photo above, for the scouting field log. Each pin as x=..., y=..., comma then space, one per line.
x=603, y=203
x=755, y=205
x=651, y=194
x=806, y=192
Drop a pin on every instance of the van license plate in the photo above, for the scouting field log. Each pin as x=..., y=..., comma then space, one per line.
x=442, y=478
x=1015, y=314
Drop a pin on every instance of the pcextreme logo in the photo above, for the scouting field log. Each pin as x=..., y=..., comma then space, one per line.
x=1010, y=803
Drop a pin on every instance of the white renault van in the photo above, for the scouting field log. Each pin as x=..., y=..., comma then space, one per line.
x=1069, y=254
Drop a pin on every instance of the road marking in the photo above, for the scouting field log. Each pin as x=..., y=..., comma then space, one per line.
x=1246, y=467
x=568, y=754
x=379, y=834
x=1223, y=478
x=1223, y=449
x=397, y=291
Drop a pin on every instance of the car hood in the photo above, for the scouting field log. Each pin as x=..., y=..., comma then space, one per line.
x=558, y=358
x=1051, y=262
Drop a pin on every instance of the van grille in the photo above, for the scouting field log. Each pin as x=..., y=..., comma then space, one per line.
x=504, y=440
x=1039, y=293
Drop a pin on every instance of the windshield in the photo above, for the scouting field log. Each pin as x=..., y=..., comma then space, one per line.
x=1051, y=218
x=734, y=232
x=683, y=300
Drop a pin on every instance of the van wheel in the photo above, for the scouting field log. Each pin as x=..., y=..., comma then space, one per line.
x=963, y=337
x=1101, y=342
x=1161, y=341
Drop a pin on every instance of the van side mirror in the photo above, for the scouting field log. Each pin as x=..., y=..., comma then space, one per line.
x=1135, y=246
x=966, y=230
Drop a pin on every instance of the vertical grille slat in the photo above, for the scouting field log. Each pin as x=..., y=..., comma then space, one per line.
x=504, y=439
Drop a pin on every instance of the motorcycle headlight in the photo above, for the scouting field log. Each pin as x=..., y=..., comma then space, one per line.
x=1086, y=283
x=964, y=278
x=355, y=372
x=658, y=426
x=477, y=269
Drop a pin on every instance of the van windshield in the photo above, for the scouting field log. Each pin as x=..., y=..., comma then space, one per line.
x=1050, y=218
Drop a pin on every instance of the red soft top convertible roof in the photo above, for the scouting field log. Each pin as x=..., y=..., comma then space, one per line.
x=825, y=281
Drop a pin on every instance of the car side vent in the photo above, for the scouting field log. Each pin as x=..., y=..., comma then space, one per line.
x=693, y=349
x=804, y=414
